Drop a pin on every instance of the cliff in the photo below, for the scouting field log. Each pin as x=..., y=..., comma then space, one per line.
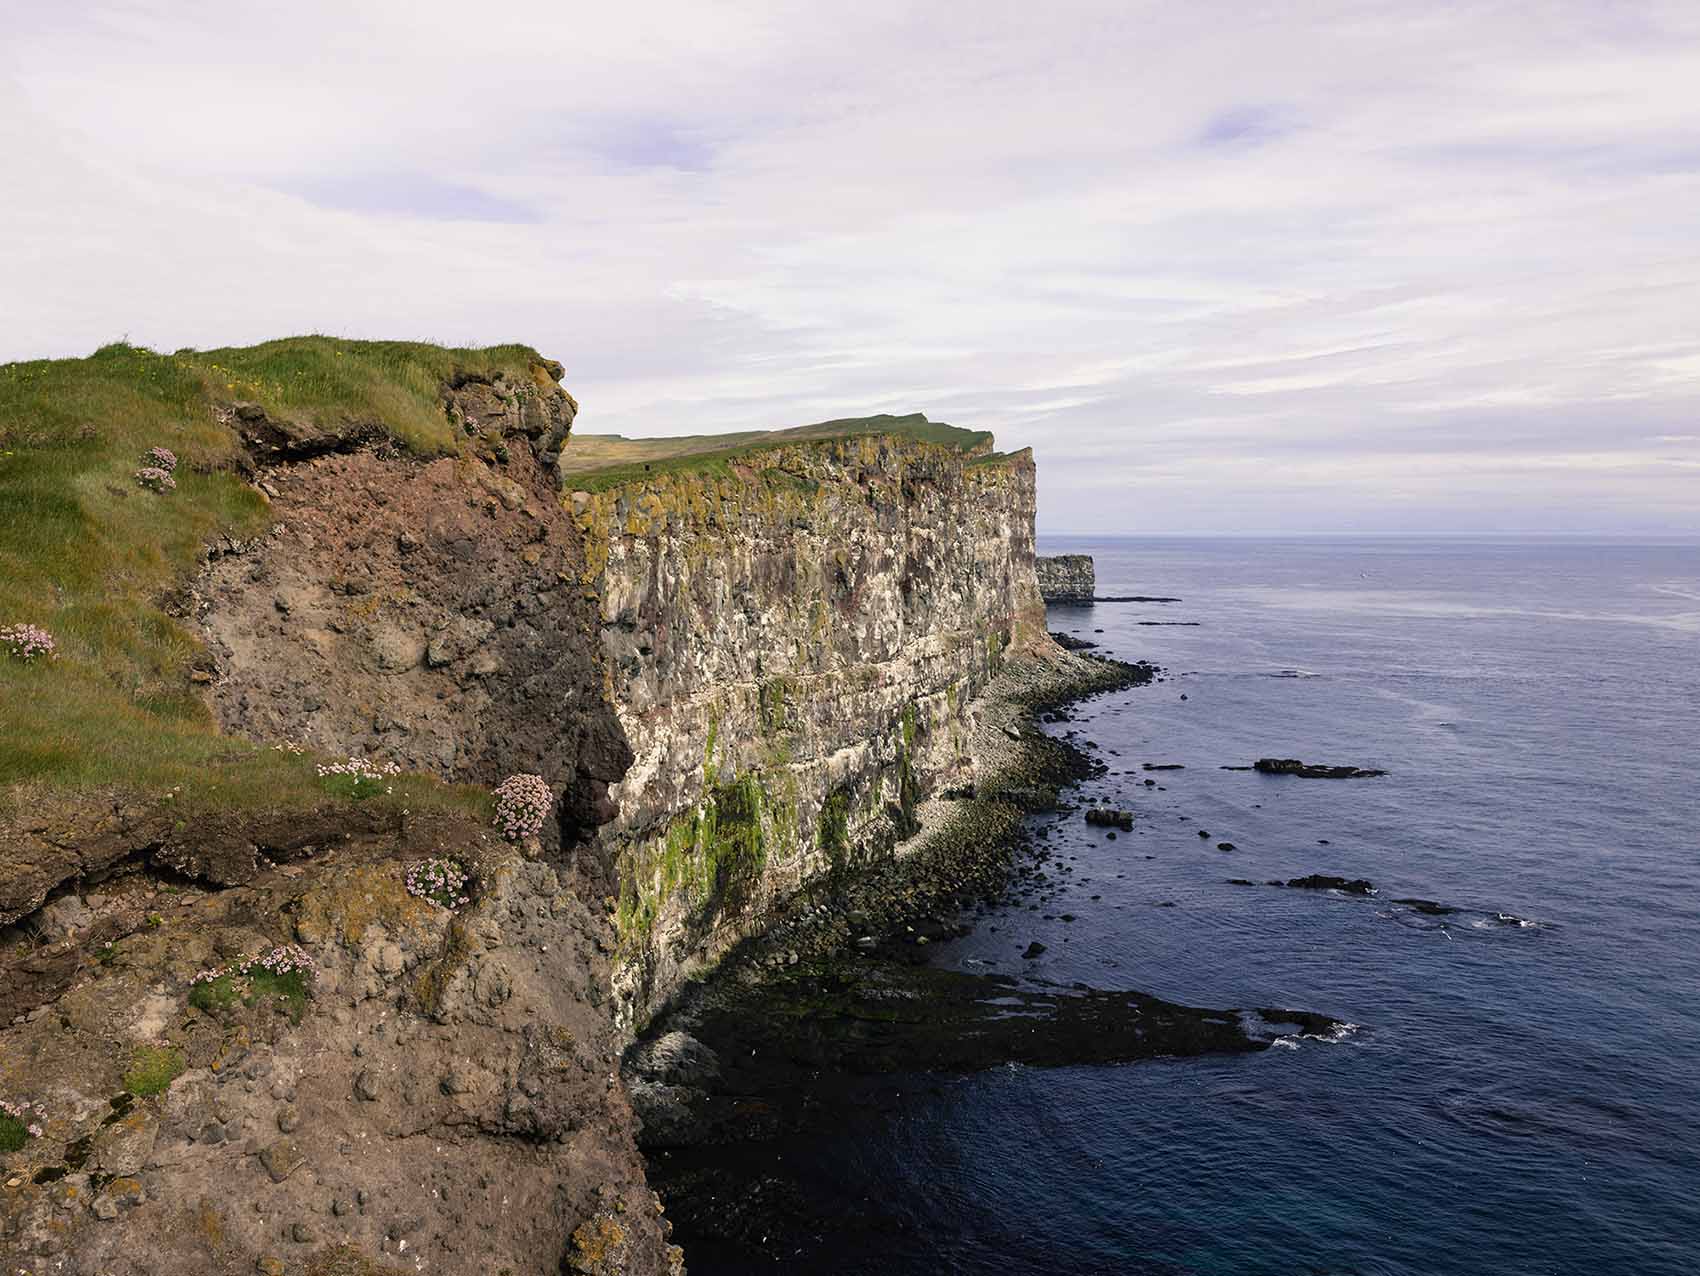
x=794, y=635
x=1066, y=578
x=239, y=1029
x=310, y=601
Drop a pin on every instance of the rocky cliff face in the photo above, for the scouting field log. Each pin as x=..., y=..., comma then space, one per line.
x=738, y=675
x=793, y=645
x=429, y=615
x=438, y=1093
x=1066, y=578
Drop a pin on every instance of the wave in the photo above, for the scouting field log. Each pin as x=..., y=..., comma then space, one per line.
x=1334, y=1036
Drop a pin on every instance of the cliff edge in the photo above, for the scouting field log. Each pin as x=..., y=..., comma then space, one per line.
x=278, y=994
x=795, y=632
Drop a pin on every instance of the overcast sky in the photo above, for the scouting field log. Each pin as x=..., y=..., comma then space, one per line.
x=1233, y=267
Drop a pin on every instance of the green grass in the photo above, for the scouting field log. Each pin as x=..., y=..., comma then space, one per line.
x=393, y=384
x=13, y=1133
x=152, y=1070
x=89, y=555
x=596, y=462
x=214, y=994
x=288, y=990
x=251, y=985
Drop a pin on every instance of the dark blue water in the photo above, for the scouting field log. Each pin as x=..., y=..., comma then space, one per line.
x=1515, y=1098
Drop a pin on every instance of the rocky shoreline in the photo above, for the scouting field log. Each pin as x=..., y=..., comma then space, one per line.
x=814, y=1021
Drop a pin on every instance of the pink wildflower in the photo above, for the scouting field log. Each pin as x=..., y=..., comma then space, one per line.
x=27, y=641
x=523, y=803
x=156, y=479
x=441, y=880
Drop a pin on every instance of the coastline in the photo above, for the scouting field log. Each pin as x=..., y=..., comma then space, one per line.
x=823, y=1013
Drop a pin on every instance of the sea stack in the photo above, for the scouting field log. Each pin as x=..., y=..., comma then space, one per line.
x=1066, y=578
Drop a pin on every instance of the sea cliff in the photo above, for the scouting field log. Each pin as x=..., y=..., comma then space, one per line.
x=794, y=648
x=384, y=576
x=1066, y=578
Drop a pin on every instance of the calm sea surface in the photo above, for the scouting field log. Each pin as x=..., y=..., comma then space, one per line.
x=1514, y=1098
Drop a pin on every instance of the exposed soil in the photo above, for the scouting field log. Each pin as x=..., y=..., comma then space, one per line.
x=430, y=615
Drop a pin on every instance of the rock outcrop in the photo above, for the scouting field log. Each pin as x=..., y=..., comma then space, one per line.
x=1066, y=578
x=441, y=1102
x=794, y=643
x=441, y=1093
x=430, y=615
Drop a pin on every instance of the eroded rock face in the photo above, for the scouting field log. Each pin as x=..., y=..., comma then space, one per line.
x=446, y=1098
x=1066, y=578
x=443, y=1100
x=428, y=615
x=794, y=650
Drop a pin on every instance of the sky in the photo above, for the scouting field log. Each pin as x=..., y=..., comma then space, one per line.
x=1231, y=267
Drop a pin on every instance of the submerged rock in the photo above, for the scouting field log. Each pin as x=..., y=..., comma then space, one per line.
x=1428, y=906
x=801, y=1046
x=1322, y=882
x=1309, y=770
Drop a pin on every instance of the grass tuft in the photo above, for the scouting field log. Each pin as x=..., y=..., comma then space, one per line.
x=13, y=1133
x=152, y=1070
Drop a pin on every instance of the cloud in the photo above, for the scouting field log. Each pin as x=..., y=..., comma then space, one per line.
x=1244, y=125
x=1350, y=267
x=409, y=195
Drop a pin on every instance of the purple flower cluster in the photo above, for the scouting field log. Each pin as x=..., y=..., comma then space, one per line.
x=160, y=458
x=360, y=768
x=155, y=479
x=442, y=881
x=285, y=959
x=365, y=776
x=24, y=1115
x=27, y=641
x=523, y=803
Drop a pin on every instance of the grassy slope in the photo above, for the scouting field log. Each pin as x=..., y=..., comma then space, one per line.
x=596, y=462
x=88, y=554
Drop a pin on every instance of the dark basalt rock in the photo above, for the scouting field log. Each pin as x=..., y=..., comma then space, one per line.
x=1033, y=950
x=811, y=1040
x=1322, y=882
x=1225, y=846
x=1310, y=771
x=1106, y=817
x=1162, y=766
x=1068, y=642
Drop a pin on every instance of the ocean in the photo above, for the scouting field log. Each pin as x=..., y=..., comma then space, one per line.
x=1520, y=1087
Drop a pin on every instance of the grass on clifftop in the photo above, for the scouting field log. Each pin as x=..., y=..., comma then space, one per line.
x=396, y=384
x=90, y=555
x=596, y=462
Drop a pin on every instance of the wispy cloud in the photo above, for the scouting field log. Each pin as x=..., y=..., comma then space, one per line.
x=1245, y=126
x=418, y=195
x=1348, y=266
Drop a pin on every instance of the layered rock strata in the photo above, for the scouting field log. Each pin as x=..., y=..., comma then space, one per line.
x=794, y=644
x=1066, y=578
